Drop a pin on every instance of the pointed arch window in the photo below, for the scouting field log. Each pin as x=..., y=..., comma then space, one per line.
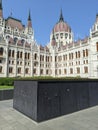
x=97, y=46
x=1, y=51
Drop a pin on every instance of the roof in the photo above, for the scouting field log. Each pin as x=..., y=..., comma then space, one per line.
x=14, y=23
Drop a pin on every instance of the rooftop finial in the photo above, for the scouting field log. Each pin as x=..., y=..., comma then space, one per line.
x=29, y=17
x=61, y=16
x=1, y=4
x=97, y=17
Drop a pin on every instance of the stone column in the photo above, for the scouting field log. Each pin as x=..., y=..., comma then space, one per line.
x=7, y=63
x=15, y=62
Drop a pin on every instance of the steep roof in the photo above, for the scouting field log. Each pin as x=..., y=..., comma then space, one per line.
x=14, y=23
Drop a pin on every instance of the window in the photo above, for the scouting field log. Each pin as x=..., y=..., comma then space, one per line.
x=15, y=39
x=65, y=71
x=66, y=35
x=10, y=70
x=34, y=71
x=25, y=55
x=41, y=71
x=12, y=62
x=56, y=71
x=1, y=51
x=21, y=54
x=19, y=70
x=83, y=53
x=86, y=61
x=85, y=69
x=9, y=53
x=26, y=70
x=78, y=54
x=97, y=46
x=69, y=56
x=47, y=71
x=35, y=56
x=18, y=54
x=28, y=55
x=86, y=52
x=0, y=69
x=78, y=70
x=13, y=53
x=71, y=71
x=60, y=71
x=22, y=41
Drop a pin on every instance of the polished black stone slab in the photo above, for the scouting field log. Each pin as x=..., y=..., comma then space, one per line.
x=6, y=94
x=43, y=100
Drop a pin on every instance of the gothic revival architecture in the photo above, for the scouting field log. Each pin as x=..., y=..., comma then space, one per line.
x=20, y=55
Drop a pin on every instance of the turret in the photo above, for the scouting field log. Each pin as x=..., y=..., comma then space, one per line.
x=29, y=29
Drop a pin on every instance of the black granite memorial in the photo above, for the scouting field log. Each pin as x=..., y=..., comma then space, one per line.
x=6, y=94
x=43, y=100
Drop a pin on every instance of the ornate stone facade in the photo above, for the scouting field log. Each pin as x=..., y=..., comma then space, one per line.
x=20, y=55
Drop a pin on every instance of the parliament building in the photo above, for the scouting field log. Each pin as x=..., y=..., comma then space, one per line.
x=22, y=56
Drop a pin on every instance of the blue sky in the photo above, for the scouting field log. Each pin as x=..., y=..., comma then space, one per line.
x=79, y=14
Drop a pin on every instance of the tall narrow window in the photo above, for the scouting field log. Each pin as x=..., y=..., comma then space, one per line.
x=65, y=71
x=10, y=70
x=71, y=70
x=0, y=69
x=19, y=70
x=78, y=70
x=83, y=53
x=1, y=51
x=86, y=52
x=85, y=69
x=9, y=53
x=97, y=46
x=13, y=53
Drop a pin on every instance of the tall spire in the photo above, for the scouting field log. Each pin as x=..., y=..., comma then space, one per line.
x=0, y=4
x=1, y=13
x=29, y=21
x=61, y=17
x=29, y=17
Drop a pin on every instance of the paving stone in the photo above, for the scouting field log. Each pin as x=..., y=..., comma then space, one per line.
x=10, y=119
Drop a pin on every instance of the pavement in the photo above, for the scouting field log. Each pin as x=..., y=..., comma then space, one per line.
x=10, y=119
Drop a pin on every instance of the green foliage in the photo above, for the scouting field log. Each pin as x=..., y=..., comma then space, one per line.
x=6, y=87
x=7, y=81
x=10, y=81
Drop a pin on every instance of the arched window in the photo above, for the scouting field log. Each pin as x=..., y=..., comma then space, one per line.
x=97, y=46
x=87, y=52
x=26, y=70
x=35, y=56
x=21, y=54
x=65, y=71
x=71, y=70
x=22, y=41
x=9, y=53
x=26, y=55
x=0, y=69
x=7, y=37
x=18, y=54
x=13, y=53
x=15, y=39
x=1, y=51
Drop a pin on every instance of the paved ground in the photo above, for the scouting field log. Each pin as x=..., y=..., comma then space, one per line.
x=11, y=119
